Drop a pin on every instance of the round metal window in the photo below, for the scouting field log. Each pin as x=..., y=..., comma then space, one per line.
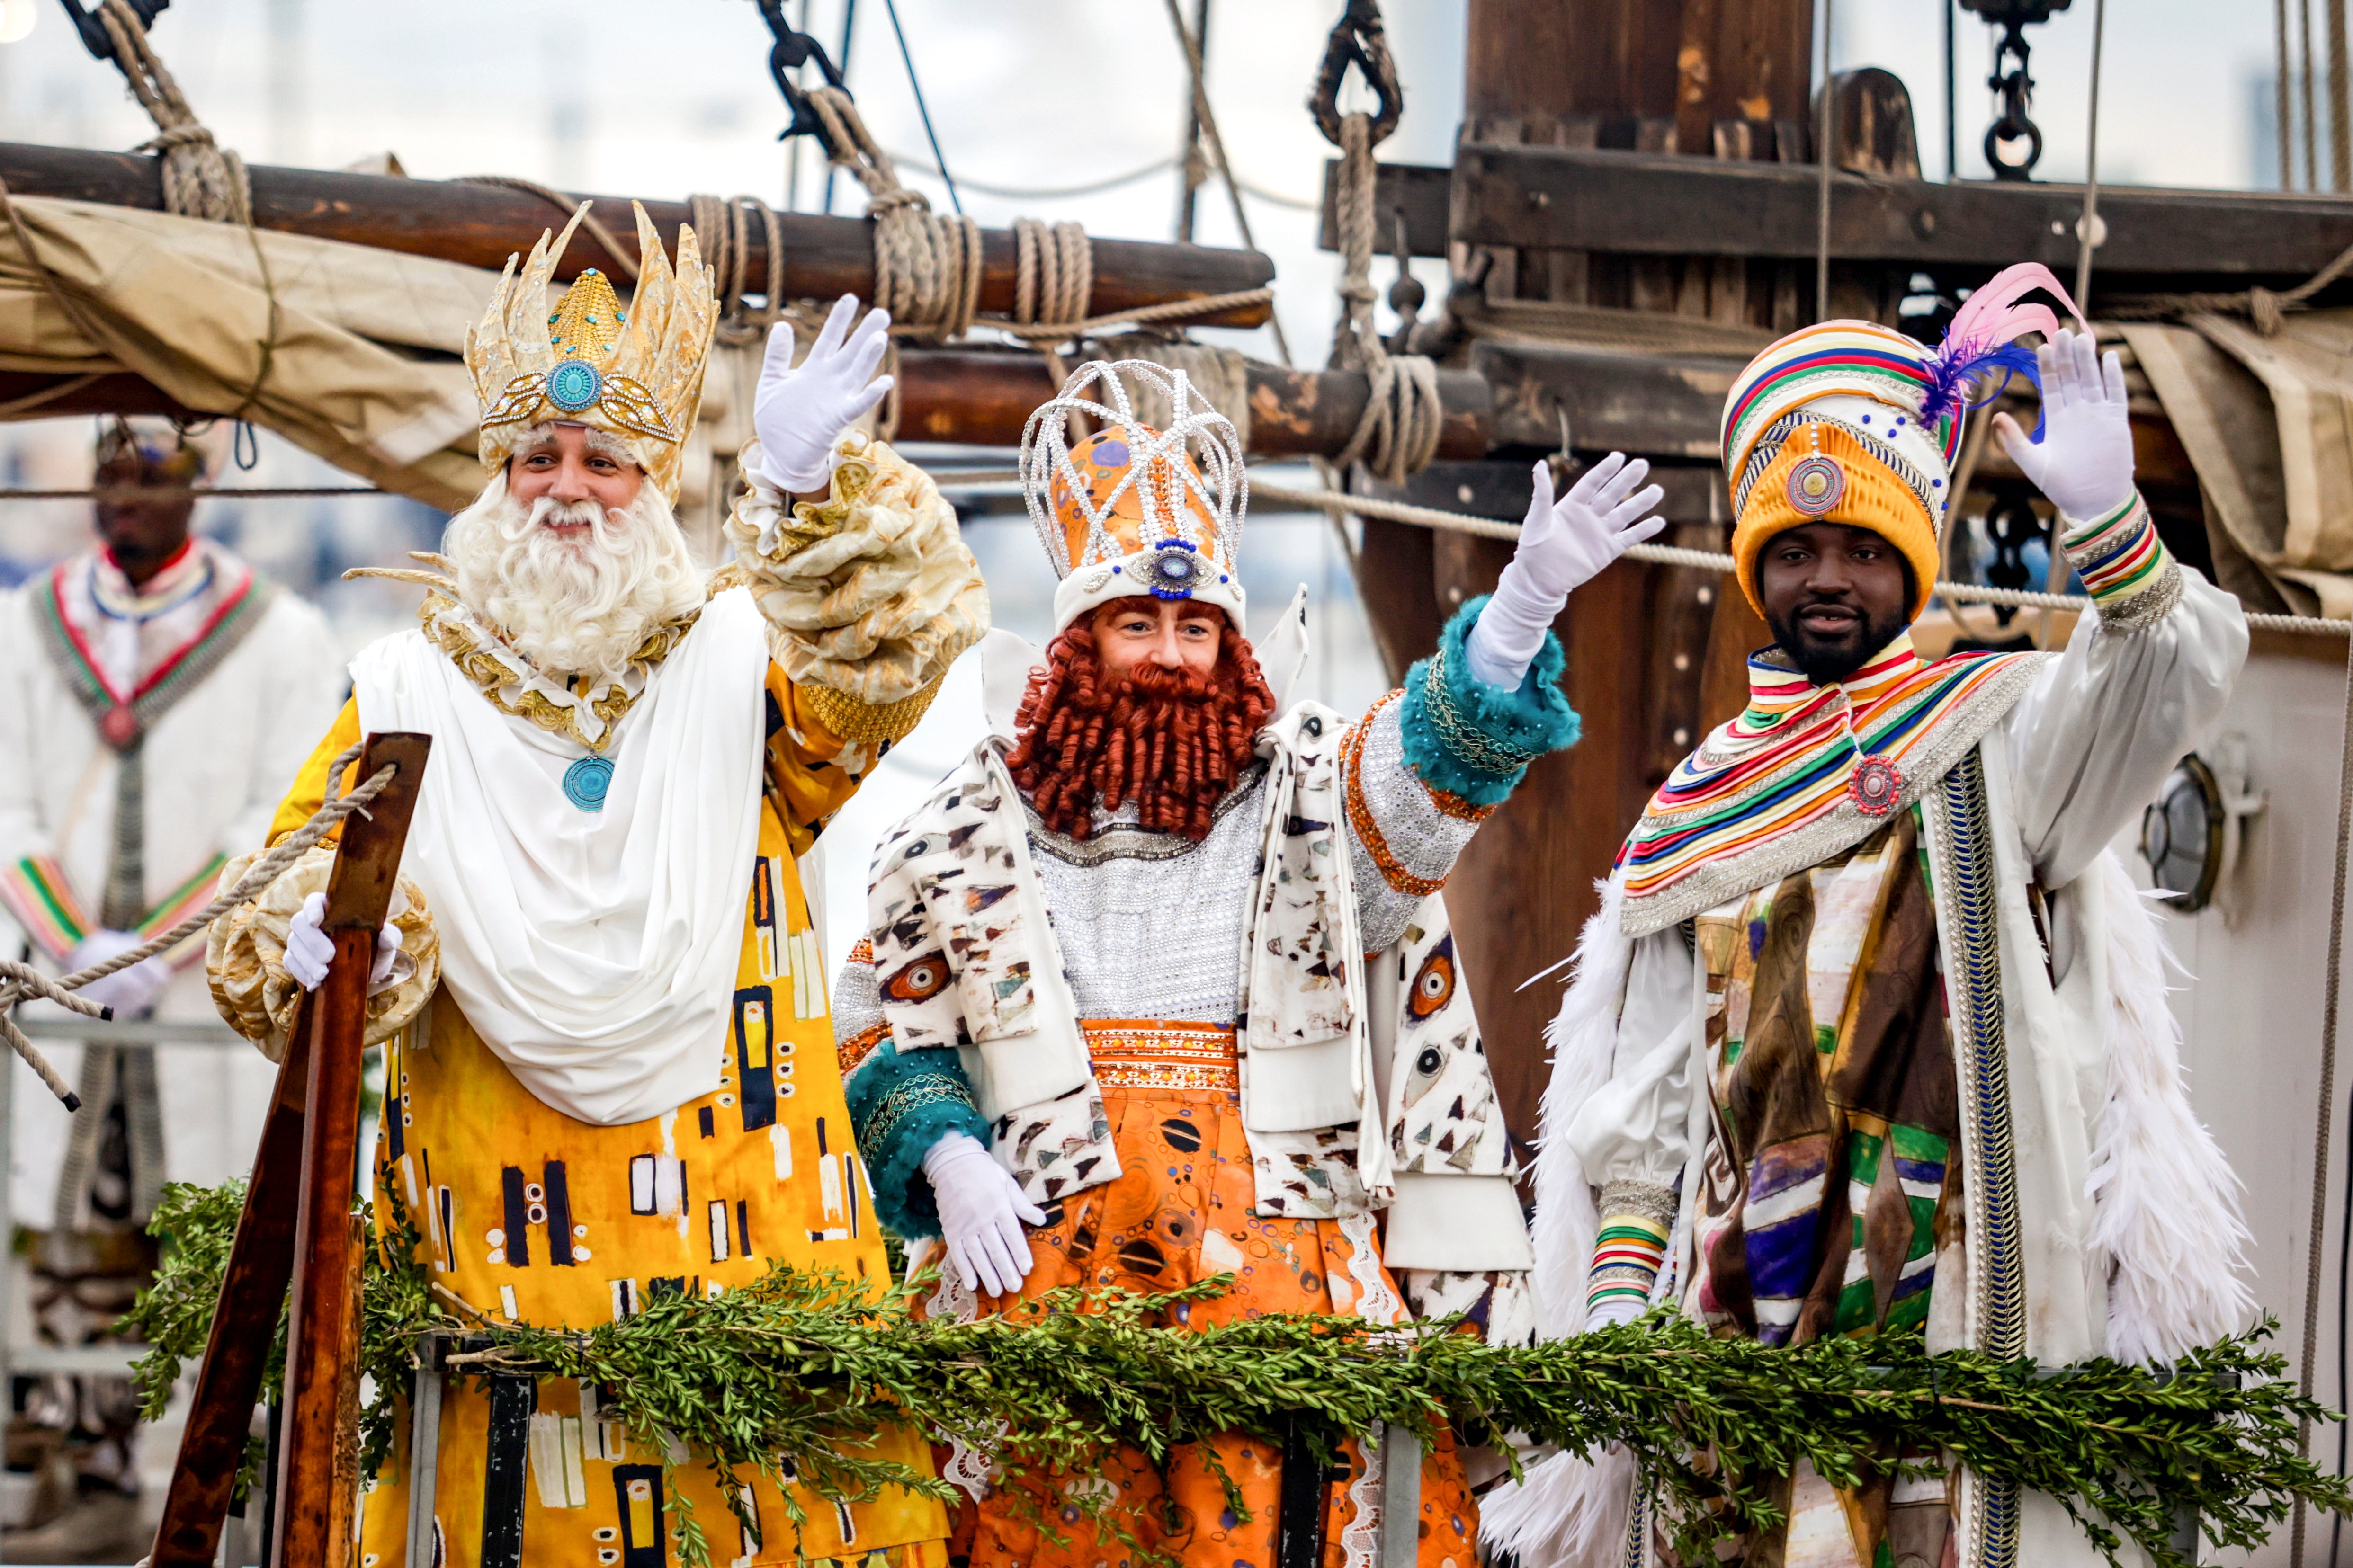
x=2182, y=835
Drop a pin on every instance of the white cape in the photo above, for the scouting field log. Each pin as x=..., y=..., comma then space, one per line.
x=594, y=952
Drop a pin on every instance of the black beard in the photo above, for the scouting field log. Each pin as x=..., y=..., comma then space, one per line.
x=1826, y=662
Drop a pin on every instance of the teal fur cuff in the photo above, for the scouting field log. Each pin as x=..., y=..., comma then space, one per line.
x=901, y=1106
x=1474, y=740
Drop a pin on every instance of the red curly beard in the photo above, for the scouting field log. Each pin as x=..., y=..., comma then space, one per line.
x=1173, y=741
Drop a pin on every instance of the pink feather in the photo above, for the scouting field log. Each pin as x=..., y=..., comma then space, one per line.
x=1983, y=328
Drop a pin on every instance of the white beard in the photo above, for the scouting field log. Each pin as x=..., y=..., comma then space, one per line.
x=577, y=605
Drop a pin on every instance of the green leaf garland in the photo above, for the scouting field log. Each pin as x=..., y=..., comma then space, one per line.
x=806, y=1370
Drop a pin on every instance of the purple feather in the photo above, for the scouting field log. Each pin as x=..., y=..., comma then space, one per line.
x=1980, y=345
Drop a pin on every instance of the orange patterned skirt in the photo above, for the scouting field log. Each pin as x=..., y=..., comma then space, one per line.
x=1180, y=1211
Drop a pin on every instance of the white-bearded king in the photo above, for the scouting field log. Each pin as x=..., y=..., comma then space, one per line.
x=610, y=1070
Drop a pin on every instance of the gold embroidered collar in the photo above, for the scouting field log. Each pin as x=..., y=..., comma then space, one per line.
x=511, y=681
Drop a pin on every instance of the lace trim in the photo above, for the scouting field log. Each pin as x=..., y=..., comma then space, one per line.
x=968, y=1467
x=1125, y=841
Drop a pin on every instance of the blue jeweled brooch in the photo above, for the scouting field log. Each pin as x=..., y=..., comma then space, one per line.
x=575, y=384
x=585, y=781
x=1175, y=571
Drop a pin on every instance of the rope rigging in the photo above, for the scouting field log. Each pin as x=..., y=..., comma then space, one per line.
x=1397, y=436
x=21, y=981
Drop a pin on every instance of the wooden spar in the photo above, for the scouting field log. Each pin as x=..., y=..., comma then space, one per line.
x=984, y=398
x=975, y=397
x=481, y=225
x=296, y=1225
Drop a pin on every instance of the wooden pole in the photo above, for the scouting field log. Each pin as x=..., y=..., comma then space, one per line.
x=481, y=225
x=970, y=397
x=296, y=1223
x=1635, y=72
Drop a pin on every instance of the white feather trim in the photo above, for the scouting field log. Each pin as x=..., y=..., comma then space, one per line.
x=1570, y=1512
x=1583, y=1037
x=2164, y=1201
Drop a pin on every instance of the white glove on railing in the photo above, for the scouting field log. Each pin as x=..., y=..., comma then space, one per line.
x=2084, y=460
x=308, y=949
x=981, y=1214
x=799, y=414
x=129, y=992
x=1562, y=546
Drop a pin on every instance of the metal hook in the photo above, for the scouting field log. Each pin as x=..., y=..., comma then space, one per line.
x=792, y=50
x=1357, y=38
x=94, y=36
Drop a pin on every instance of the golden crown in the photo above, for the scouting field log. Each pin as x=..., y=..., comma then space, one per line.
x=635, y=373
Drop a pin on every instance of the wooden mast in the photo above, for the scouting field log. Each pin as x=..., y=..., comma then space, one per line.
x=1648, y=75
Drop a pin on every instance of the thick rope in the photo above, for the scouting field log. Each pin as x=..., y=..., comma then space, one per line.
x=201, y=179
x=1398, y=434
x=723, y=228
x=1053, y=272
x=1139, y=315
x=926, y=265
x=1710, y=560
x=20, y=982
x=2327, y=1092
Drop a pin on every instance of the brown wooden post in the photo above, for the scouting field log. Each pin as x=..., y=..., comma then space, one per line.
x=296, y=1224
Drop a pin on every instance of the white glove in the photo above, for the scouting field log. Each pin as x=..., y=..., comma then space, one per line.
x=129, y=992
x=982, y=1212
x=799, y=414
x=1563, y=545
x=310, y=950
x=2084, y=460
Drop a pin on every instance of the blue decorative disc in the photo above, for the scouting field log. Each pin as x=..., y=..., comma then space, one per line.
x=585, y=781
x=575, y=384
x=1175, y=570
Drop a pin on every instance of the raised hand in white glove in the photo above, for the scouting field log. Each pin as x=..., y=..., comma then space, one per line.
x=981, y=1214
x=2084, y=461
x=308, y=949
x=1563, y=545
x=799, y=414
x=129, y=992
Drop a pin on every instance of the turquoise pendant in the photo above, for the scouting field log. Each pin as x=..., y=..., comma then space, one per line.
x=585, y=781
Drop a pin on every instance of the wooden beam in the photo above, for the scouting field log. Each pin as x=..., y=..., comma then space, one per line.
x=1655, y=404
x=481, y=225
x=978, y=397
x=1630, y=202
x=312, y=1528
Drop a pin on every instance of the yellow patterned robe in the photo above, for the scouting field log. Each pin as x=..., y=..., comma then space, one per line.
x=531, y=1217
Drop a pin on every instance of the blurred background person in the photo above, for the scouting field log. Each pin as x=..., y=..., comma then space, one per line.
x=155, y=692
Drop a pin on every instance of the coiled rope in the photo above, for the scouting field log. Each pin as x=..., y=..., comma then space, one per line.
x=21, y=981
x=723, y=228
x=1397, y=436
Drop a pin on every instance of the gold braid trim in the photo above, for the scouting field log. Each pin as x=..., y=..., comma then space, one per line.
x=862, y=724
x=476, y=653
